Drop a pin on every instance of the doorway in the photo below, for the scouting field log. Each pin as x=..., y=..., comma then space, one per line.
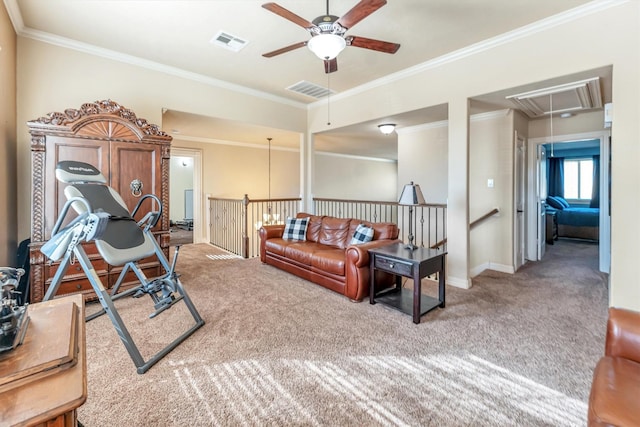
x=186, y=191
x=534, y=232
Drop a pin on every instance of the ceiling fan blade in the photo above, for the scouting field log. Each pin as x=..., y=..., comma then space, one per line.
x=330, y=65
x=284, y=49
x=286, y=14
x=372, y=44
x=360, y=11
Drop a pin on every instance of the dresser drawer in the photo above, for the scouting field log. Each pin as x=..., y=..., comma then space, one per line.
x=392, y=265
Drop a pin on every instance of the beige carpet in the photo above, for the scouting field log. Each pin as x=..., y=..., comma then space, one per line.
x=515, y=350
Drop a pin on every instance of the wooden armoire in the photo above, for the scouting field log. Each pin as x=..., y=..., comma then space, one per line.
x=125, y=148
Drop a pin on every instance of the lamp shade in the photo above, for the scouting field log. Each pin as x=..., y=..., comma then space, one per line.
x=326, y=46
x=411, y=195
x=386, y=128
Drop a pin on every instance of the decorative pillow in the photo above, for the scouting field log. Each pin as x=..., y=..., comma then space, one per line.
x=363, y=234
x=562, y=201
x=295, y=229
x=554, y=203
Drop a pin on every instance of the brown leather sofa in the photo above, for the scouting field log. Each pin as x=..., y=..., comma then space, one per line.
x=325, y=257
x=615, y=391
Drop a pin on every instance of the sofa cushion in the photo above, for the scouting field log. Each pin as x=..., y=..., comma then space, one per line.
x=335, y=232
x=331, y=261
x=295, y=229
x=277, y=245
x=381, y=230
x=302, y=252
x=614, y=393
x=313, y=227
x=363, y=234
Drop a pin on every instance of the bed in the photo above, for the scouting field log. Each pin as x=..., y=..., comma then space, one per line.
x=574, y=222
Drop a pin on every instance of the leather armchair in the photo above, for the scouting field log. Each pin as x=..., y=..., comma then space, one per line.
x=615, y=391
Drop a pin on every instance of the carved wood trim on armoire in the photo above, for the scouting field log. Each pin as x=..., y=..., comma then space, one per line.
x=124, y=148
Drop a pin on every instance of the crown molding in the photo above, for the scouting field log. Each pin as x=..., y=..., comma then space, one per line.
x=181, y=137
x=14, y=15
x=508, y=37
x=497, y=114
x=355, y=157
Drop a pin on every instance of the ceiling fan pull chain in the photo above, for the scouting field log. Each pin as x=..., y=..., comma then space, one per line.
x=328, y=96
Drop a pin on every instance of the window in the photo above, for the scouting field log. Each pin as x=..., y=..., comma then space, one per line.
x=578, y=178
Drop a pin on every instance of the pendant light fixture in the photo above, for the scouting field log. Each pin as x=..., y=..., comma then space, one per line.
x=268, y=218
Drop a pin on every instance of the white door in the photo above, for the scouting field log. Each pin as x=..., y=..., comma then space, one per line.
x=520, y=173
x=542, y=200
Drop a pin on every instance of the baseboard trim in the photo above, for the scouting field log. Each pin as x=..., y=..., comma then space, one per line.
x=459, y=282
x=502, y=268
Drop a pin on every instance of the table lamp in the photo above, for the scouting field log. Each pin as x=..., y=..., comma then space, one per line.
x=411, y=196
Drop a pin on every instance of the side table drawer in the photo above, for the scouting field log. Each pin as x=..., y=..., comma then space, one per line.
x=392, y=265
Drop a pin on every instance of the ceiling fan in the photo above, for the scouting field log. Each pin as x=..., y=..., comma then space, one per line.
x=328, y=32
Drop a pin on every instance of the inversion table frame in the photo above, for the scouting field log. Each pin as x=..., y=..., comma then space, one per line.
x=168, y=283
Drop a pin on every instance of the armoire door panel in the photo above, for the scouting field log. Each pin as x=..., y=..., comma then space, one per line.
x=59, y=149
x=136, y=162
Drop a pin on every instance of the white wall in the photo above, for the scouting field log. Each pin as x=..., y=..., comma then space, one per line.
x=491, y=153
x=354, y=178
x=423, y=153
x=231, y=171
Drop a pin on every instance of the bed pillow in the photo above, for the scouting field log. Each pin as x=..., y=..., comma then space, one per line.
x=363, y=234
x=562, y=201
x=295, y=229
x=554, y=203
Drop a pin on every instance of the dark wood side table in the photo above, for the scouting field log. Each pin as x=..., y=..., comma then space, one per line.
x=415, y=264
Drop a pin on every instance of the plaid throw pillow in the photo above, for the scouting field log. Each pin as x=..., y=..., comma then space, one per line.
x=363, y=234
x=295, y=229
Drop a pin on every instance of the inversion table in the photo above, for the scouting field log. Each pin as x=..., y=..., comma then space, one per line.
x=104, y=219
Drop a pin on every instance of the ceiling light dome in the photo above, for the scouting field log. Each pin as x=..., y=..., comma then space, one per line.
x=326, y=46
x=387, y=128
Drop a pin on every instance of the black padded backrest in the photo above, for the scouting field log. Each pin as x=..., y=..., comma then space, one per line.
x=121, y=233
x=70, y=171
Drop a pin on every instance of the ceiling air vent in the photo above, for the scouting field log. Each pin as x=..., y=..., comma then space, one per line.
x=566, y=98
x=229, y=41
x=310, y=89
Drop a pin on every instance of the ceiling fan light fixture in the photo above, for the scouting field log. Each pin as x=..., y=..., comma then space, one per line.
x=326, y=46
x=387, y=128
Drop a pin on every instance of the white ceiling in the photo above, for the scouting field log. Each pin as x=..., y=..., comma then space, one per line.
x=178, y=33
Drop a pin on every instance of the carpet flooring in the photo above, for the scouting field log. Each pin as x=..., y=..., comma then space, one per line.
x=276, y=350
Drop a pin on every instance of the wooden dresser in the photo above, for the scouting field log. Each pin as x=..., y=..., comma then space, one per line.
x=125, y=148
x=44, y=380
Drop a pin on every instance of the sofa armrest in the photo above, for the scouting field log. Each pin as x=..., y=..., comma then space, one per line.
x=358, y=255
x=271, y=231
x=623, y=334
x=268, y=232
